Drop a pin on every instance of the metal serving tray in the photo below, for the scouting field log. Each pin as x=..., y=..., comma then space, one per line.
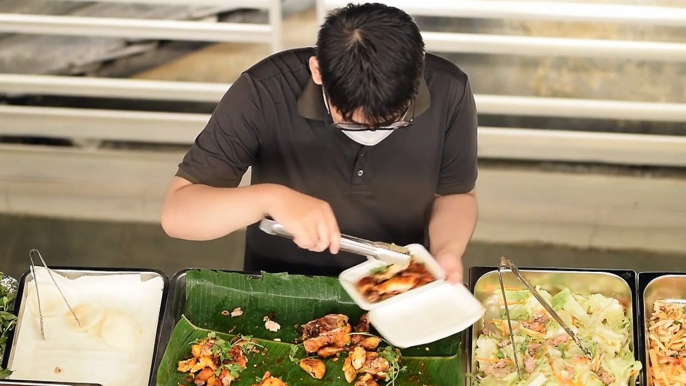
x=652, y=286
x=619, y=284
x=76, y=272
x=176, y=303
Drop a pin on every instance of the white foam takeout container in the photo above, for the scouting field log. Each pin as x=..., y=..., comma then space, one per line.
x=423, y=315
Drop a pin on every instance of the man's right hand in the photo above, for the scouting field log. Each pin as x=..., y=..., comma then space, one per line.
x=310, y=220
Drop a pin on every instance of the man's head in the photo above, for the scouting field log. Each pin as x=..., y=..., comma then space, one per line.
x=370, y=59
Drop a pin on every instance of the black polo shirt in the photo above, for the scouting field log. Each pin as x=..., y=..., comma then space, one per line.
x=273, y=118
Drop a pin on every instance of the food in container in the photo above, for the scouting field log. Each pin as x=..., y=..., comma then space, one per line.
x=545, y=350
x=664, y=311
x=111, y=343
x=333, y=335
x=597, y=306
x=431, y=309
x=386, y=281
x=667, y=344
x=217, y=362
x=313, y=311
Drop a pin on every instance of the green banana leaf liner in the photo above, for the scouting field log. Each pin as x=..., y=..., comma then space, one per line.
x=289, y=300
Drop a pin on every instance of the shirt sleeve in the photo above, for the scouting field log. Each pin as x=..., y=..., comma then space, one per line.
x=459, y=169
x=229, y=143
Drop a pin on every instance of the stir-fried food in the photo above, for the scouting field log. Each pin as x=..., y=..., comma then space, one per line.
x=216, y=362
x=366, y=380
x=268, y=380
x=547, y=355
x=333, y=335
x=667, y=344
x=370, y=363
x=313, y=366
x=391, y=280
x=331, y=331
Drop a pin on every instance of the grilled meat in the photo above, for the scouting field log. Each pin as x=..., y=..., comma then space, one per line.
x=315, y=367
x=393, y=281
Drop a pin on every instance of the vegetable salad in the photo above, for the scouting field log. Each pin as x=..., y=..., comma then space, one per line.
x=547, y=355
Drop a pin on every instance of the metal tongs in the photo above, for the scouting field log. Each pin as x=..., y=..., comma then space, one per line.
x=507, y=264
x=32, y=253
x=388, y=253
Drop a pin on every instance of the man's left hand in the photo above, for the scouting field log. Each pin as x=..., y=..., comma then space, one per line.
x=451, y=263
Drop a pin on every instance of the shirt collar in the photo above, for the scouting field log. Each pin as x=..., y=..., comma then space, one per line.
x=311, y=101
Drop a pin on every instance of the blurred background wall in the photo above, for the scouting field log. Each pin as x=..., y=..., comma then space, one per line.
x=585, y=180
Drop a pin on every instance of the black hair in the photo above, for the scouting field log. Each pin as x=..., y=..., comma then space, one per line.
x=371, y=57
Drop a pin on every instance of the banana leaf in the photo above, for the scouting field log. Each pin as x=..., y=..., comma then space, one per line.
x=289, y=300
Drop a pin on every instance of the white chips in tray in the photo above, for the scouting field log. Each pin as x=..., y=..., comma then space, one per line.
x=114, y=343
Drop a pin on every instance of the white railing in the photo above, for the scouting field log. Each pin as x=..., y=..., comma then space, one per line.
x=500, y=143
x=155, y=29
x=541, y=46
x=19, y=85
x=531, y=10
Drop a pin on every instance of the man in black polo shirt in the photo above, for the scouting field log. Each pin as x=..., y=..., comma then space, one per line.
x=365, y=135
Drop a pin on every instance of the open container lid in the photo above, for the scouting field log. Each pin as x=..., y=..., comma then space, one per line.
x=420, y=316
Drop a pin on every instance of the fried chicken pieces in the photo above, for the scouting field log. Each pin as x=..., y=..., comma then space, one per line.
x=268, y=380
x=330, y=331
x=330, y=336
x=313, y=366
x=204, y=366
x=392, y=280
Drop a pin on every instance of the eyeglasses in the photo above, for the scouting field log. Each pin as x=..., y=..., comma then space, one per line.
x=360, y=127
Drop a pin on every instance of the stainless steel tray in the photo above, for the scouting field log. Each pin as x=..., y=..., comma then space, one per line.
x=75, y=272
x=654, y=286
x=620, y=284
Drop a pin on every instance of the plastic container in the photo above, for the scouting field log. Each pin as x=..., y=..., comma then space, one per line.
x=420, y=316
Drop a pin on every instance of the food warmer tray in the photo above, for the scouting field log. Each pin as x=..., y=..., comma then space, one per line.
x=620, y=283
x=176, y=302
x=72, y=272
x=654, y=286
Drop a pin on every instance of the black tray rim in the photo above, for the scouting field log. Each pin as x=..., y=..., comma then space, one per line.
x=476, y=272
x=160, y=319
x=16, y=382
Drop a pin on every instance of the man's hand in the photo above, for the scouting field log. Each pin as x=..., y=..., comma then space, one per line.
x=451, y=263
x=311, y=221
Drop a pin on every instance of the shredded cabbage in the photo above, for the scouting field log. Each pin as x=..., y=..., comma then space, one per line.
x=546, y=354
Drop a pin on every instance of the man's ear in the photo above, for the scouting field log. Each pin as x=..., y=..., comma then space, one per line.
x=314, y=69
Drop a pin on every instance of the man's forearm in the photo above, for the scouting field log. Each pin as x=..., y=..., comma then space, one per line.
x=199, y=212
x=452, y=223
